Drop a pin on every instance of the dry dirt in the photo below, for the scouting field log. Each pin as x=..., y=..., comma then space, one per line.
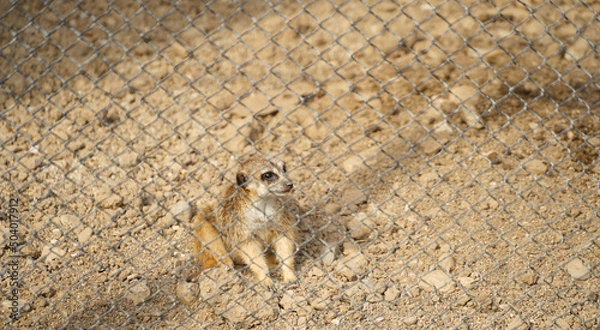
x=417, y=211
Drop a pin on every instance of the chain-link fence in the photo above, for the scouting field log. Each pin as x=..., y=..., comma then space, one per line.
x=444, y=156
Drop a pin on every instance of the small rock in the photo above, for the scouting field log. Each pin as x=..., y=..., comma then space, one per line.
x=287, y=301
x=469, y=99
x=529, y=278
x=357, y=292
x=181, y=210
x=328, y=257
x=466, y=282
x=563, y=324
x=437, y=280
x=318, y=304
x=332, y=209
x=391, y=294
x=537, y=167
x=112, y=202
x=139, y=292
x=410, y=320
x=236, y=314
x=352, y=266
x=430, y=178
x=68, y=221
x=84, y=235
x=444, y=133
x=429, y=147
x=463, y=301
x=128, y=159
x=492, y=156
x=447, y=263
x=184, y=292
x=516, y=324
x=577, y=269
x=351, y=194
x=360, y=228
x=56, y=233
x=51, y=253
x=352, y=164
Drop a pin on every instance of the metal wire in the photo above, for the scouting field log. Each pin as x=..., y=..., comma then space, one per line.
x=444, y=156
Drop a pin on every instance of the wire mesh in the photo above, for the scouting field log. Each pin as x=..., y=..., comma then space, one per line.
x=444, y=156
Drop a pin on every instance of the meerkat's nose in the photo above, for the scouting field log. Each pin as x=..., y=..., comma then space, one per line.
x=290, y=185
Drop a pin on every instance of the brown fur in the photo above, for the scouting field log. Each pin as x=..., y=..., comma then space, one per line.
x=250, y=221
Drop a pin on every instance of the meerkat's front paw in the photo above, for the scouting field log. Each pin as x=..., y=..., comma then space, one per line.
x=289, y=277
x=269, y=284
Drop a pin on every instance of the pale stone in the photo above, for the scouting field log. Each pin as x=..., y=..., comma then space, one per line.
x=85, y=235
x=437, y=280
x=391, y=294
x=68, y=221
x=577, y=269
x=360, y=228
x=184, y=292
x=139, y=292
x=537, y=167
x=352, y=266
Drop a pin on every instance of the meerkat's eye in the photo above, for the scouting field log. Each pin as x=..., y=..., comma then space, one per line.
x=284, y=168
x=269, y=176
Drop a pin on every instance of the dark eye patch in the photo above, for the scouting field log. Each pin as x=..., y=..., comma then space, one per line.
x=269, y=176
x=284, y=168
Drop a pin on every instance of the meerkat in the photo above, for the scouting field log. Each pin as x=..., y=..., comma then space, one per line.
x=251, y=225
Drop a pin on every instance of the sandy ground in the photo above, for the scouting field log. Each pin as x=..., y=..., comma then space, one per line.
x=416, y=211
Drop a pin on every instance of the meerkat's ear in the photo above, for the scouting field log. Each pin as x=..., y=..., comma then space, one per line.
x=241, y=179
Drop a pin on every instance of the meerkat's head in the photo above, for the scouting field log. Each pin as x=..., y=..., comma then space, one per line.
x=264, y=177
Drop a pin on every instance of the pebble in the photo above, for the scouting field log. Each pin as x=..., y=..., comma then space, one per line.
x=68, y=221
x=517, y=324
x=410, y=320
x=429, y=147
x=84, y=235
x=180, y=208
x=112, y=202
x=427, y=179
x=391, y=294
x=318, y=304
x=184, y=292
x=56, y=233
x=437, y=280
x=360, y=228
x=352, y=266
x=577, y=269
x=352, y=164
x=329, y=254
x=537, y=167
x=466, y=282
x=530, y=278
x=332, y=209
x=237, y=314
x=287, y=301
x=52, y=252
x=445, y=133
x=353, y=195
x=139, y=292
x=492, y=156
x=447, y=263
x=469, y=98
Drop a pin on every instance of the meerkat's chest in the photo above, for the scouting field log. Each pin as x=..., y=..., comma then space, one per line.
x=260, y=215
